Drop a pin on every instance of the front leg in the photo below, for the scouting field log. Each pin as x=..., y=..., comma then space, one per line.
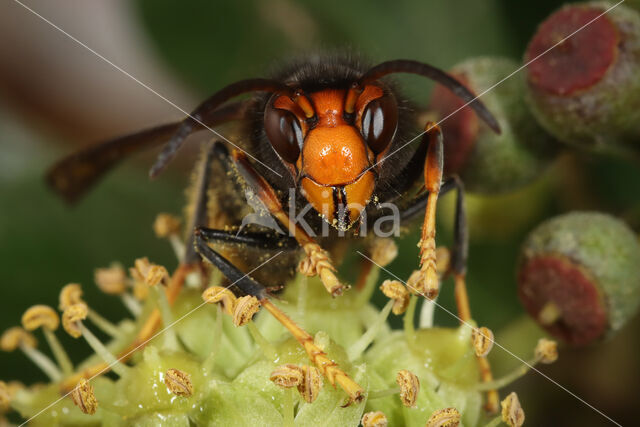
x=317, y=261
x=428, y=280
x=427, y=283
x=328, y=367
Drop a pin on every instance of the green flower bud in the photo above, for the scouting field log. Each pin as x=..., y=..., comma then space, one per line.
x=586, y=90
x=579, y=276
x=488, y=162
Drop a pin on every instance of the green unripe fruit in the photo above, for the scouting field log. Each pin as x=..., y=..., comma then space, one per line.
x=489, y=163
x=586, y=90
x=579, y=276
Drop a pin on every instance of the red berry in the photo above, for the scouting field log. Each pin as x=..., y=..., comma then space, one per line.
x=579, y=276
x=583, y=79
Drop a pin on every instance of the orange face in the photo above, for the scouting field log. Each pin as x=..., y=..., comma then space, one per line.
x=328, y=151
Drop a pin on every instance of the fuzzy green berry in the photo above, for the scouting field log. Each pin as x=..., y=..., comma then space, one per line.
x=579, y=276
x=487, y=162
x=586, y=90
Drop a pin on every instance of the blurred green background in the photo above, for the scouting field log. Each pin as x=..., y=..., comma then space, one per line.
x=57, y=96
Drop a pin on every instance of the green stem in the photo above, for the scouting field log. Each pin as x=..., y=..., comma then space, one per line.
x=288, y=415
x=507, y=379
x=409, y=315
x=358, y=347
x=162, y=302
x=364, y=295
x=103, y=352
x=494, y=422
x=43, y=362
x=378, y=394
x=58, y=352
x=103, y=324
x=267, y=348
x=132, y=304
x=210, y=361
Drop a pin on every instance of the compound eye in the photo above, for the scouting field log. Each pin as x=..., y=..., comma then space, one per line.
x=379, y=123
x=284, y=133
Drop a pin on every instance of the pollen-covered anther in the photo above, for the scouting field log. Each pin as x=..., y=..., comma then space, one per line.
x=71, y=317
x=178, y=382
x=16, y=337
x=396, y=291
x=482, y=339
x=374, y=419
x=69, y=295
x=546, y=351
x=83, y=397
x=448, y=417
x=244, y=309
x=156, y=275
x=166, y=225
x=512, y=412
x=409, y=387
x=311, y=384
x=140, y=269
x=383, y=251
x=111, y=280
x=218, y=294
x=40, y=316
x=5, y=396
x=287, y=376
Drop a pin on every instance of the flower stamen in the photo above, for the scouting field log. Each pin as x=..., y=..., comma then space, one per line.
x=287, y=376
x=512, y=412
x=374, y=419
x=409, y=387
x=72, y=318
x=396, y=291
x=482, y=339
x=71, y=294
x=84, y=398
x=448, y=417
x=42, y=316
x=244, y=309
x=218, y=294
x=311, y=383
x=113, y=281
x=16, y=337
x=178, y=382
